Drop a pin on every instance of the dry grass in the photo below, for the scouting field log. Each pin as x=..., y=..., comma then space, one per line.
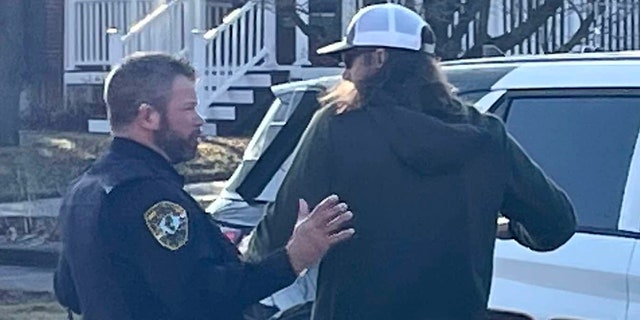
x=46, y=162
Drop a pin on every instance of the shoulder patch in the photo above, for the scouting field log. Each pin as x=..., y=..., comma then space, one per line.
x=168, y=223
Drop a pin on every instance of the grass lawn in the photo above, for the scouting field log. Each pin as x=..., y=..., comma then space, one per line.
x=45, y=162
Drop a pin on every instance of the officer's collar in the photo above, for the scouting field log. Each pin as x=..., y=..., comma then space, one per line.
x=137, y=150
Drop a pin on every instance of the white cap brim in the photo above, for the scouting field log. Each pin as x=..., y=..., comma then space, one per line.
x=335, y=47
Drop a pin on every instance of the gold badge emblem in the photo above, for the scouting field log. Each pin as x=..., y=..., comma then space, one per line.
x=169, y=224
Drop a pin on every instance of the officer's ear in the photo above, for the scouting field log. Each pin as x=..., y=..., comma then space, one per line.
x=148, y=117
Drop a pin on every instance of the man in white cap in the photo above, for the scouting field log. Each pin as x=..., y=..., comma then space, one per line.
x=425, y=175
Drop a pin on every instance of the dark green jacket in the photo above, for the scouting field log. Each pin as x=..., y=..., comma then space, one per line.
x=426, y=192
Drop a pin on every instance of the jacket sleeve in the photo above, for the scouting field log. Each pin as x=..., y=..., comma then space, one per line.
x=541, y=215
x=308, y=178
x=206, y=268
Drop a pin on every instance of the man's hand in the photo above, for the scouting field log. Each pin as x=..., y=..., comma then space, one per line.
x=318, y=232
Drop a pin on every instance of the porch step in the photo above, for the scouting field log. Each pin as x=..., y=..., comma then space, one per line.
x=209, y=129
x=246, y=116
x=252, y=80
x=314, y=72
x=221, y=113
x=234, y=96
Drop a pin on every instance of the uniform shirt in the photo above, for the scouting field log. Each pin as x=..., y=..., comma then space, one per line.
x=166, y=258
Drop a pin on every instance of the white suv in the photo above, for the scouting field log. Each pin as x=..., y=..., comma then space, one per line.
x=577, y=115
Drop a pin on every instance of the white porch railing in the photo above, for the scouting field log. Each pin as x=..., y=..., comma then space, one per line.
x=224, y=54
x=215, y=12
x=86, y=24
x=165, y=29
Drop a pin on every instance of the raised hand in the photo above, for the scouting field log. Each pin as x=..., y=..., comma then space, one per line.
x=319, y=231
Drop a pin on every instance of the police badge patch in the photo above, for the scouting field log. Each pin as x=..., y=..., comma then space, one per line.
x=169, y=224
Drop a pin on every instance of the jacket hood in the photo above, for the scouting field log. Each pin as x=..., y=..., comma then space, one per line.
x=428, y=144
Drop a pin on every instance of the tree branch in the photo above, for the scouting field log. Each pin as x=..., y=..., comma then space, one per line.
x=292, y=11
x=467, y=14
x=582, y=32
x=536, y=18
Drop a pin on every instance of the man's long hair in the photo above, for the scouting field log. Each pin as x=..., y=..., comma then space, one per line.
x=410, y=79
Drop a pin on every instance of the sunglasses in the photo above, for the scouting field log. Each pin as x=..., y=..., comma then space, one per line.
x=349, y=56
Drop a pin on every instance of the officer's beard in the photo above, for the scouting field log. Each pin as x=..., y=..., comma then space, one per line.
x=176, y=148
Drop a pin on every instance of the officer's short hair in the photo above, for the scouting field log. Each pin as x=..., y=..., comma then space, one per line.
x=143, y=77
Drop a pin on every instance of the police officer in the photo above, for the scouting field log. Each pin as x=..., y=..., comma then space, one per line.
x=426, y=176
x=136, y=245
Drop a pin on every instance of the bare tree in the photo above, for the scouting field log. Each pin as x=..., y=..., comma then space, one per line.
x=291, y=9
x=452, y=19
x=11, y=69
x=587, y=19
x=440, y=13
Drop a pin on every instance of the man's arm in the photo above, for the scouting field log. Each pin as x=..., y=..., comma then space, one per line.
x=206, y=265
x=541, y=216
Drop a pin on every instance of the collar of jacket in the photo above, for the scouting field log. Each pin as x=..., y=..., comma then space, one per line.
x=136, y=150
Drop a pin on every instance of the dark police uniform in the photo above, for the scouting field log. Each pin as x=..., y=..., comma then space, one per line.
x=137, y=246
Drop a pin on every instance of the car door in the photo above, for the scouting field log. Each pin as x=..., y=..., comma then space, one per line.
x=584, y=140
x=632, y=204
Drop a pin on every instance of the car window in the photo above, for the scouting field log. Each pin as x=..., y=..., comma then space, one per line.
x=585, y=144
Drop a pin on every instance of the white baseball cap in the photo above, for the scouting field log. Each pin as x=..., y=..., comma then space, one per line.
x=386, y=25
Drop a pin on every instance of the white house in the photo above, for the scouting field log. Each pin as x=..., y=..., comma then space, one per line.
x=239, y=47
